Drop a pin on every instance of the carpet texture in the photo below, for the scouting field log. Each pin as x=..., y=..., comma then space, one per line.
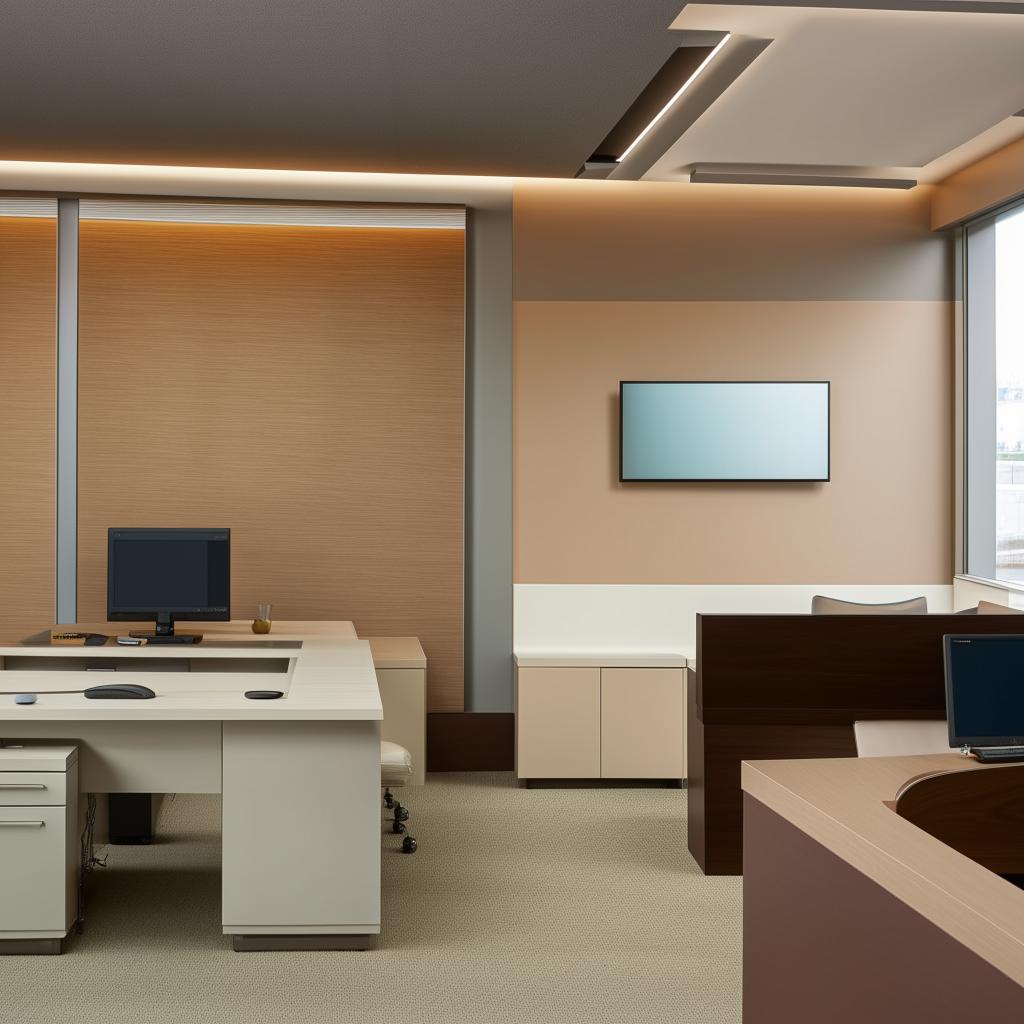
x=540, y=905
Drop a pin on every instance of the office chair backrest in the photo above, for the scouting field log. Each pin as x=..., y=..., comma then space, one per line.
x=991, y=608
x=821, y=605
x=900, y=738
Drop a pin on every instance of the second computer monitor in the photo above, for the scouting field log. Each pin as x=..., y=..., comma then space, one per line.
x=985, y=690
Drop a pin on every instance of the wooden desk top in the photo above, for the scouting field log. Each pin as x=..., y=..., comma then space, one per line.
x=397, y=652
x=330, y=676
x=601, y=659
x=842, y=804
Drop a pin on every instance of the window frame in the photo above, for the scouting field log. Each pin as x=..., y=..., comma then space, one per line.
x=975, y=376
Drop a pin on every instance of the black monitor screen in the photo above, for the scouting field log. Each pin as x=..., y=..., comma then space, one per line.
x=185, y=572
x=985, y=690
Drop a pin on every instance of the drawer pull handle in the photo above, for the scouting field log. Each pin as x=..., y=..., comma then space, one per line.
x=22, y=785
x=22, y=824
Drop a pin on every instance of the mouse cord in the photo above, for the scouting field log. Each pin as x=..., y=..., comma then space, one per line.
x=18, y=693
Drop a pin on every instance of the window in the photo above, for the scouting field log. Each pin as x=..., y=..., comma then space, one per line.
x=994, y=392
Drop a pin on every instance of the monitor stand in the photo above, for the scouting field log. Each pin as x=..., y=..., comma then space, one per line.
x=164, y=633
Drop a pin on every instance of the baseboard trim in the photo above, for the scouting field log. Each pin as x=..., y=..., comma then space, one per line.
x=288, y=943
x=470, y=741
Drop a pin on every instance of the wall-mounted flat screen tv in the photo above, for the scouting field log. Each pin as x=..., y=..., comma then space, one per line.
x=723, y=430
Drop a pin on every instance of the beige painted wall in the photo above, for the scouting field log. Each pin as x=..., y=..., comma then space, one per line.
x=651, y=240
x=734, y=283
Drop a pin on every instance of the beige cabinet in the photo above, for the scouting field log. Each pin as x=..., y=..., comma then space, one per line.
x=558, y=723
x=601, y=721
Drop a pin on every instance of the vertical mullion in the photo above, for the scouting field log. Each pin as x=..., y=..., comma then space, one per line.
x=980, y=392
x=67, y=411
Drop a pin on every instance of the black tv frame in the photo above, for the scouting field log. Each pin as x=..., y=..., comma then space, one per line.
x=742, y=479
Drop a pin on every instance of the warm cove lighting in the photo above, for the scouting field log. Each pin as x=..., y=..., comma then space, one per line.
x=671, y=103
x=38, y=175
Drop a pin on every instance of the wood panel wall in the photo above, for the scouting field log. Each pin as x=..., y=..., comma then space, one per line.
x=28, y=353
x=302, y=386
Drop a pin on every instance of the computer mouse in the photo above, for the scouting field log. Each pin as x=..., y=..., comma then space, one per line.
x=119, y=691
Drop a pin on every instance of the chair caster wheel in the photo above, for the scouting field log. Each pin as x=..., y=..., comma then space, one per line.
x=397, y=827
x=389, y=801
x=408, y=845
x=401, y=813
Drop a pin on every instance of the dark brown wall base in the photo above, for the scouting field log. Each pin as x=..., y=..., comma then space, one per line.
x=470, y=741
x=822, y=942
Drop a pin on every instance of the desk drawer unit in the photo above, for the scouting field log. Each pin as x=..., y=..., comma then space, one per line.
x=38, y=847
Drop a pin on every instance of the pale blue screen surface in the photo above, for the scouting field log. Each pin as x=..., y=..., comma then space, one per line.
x=701, y=430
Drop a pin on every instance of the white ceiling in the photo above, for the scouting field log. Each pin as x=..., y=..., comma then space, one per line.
x=891, y=91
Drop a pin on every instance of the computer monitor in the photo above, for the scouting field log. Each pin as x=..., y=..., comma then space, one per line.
x=985, y=690
x=168, y=575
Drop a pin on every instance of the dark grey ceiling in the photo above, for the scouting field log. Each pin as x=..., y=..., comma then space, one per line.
x=465, y=86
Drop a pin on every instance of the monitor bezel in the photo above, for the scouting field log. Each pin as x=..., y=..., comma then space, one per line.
x=150, y=614
x=740, y=479
x=956, y=740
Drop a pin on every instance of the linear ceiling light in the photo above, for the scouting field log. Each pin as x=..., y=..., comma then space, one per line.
x=342, y=215
x=738, y=175
x=675, y=98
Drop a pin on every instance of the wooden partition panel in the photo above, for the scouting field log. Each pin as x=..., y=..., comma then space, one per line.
x=791, y=686
x=28, y=352
x=302, y=386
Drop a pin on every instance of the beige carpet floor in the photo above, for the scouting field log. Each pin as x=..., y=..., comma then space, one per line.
x=537, y=905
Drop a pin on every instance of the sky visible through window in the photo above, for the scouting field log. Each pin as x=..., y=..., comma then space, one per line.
x=1010, y=396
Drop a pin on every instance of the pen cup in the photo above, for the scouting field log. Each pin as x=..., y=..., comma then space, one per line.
x=261, y=624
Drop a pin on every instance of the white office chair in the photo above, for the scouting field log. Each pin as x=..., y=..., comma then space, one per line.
x=395, y=771
x=900, y=738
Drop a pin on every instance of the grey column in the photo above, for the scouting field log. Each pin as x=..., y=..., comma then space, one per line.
x=67, y=410
x=488, y=562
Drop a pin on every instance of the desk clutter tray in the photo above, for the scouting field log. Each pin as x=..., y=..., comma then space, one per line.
x=62, y=638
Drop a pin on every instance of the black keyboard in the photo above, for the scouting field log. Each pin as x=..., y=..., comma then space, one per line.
x=998, y=755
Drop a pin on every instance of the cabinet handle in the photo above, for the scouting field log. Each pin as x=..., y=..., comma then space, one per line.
x=22, y=824
x=22, y=785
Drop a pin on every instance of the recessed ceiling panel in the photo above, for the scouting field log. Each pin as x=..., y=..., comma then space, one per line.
x=855, y=88
x=462, y=86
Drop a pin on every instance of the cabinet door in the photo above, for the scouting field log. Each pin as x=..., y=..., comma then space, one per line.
x=558, y=723
x=642, y=723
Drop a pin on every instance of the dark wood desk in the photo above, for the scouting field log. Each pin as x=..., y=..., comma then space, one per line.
x=860, y=902
x=791, y=686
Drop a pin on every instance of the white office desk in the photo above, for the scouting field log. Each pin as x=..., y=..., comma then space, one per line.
x=299, y=775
